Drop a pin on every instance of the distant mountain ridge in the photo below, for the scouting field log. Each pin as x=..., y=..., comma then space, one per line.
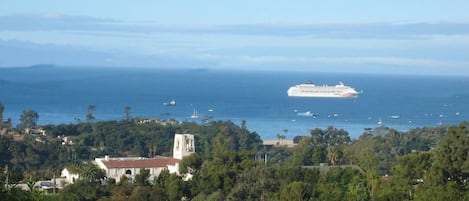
x=36, y=66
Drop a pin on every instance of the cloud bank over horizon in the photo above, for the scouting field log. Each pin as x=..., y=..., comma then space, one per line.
x=377, y=30
x=379, y=47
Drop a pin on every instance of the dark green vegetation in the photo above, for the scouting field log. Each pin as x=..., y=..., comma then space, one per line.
x=383, y=164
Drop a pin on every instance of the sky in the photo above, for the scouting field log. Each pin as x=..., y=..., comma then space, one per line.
x=360, y=36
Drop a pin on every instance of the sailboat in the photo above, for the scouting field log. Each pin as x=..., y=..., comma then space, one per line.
x=194, y=114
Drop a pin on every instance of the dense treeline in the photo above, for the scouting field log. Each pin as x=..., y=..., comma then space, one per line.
x=116, y=138
x=232, y=164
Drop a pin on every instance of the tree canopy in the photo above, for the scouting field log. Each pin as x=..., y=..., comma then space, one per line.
x=29, y=119
x=231, y=162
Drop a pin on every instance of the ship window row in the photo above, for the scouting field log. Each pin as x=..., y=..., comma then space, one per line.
x=321, y=91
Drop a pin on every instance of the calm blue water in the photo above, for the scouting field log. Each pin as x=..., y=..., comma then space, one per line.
x=62, y=95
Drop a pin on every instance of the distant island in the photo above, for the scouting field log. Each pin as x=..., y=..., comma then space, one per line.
x=36, y=66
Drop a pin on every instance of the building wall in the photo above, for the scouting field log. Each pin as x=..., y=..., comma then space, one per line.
x=183, y=145
x=117, y=173
x=70, y=178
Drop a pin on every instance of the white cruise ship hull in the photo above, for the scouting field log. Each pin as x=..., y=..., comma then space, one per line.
x=325, y=91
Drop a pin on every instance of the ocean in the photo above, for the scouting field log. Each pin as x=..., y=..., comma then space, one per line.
x=61, y=94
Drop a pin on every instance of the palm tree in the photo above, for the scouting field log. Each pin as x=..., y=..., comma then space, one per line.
x=333, y=154
x=285, y=135
x=90, y=173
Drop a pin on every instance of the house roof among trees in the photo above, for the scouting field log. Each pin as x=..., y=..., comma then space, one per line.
x=158, y=161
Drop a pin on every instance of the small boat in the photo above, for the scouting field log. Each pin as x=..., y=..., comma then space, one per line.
x=170, y=103
x=380, y=122
x=395, y=116
x=194, y=114
x=307, y=113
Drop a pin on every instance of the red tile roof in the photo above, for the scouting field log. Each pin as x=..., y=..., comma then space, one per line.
x=158, y=161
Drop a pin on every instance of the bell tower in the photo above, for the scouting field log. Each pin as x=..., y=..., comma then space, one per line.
x=183, y=145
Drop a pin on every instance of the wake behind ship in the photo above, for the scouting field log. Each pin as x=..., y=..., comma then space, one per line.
x=325, y=91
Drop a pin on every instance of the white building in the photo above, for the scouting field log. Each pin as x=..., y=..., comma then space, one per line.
x=183, y=145
x=70, y=174
x=130, y=166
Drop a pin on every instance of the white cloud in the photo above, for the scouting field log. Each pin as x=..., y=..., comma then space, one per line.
x=423, y=45
x=380, y=60
x=58, y=22
x=395, y=61
x=51, y=15
x=380, y=65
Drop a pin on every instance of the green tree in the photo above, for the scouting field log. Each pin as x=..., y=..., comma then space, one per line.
x=220, y=172
x=357, y=189
x=141, y=179
x=302, y=153
x=158, y=194
x=2, y=108
x=452, y=157
x=89, y=115
x=122, y=191
x=449, y=191
x=191, y=163
x=175, y=188
x=334, y=154
x=447, y=178
x=411, y=170
x=28, y=119
x=90, y=173
x=255, y=183
x=141, y=193
x=82, y=191
x=295, y=191
x=127, y=113
x=330, y=137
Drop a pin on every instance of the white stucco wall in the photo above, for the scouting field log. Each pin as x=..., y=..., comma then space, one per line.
x=117, y=173
x=70, y=178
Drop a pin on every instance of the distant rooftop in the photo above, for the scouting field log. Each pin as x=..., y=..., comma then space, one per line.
x=158, y=161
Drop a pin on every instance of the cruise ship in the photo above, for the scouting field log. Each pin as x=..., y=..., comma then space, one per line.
x=312, y=90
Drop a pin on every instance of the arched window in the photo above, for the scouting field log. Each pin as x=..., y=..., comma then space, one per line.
x=128, y=172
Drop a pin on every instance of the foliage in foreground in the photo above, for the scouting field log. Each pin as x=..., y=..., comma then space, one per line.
x=422, y=164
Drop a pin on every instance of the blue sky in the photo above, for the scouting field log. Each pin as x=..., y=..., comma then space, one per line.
x=404, y=37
